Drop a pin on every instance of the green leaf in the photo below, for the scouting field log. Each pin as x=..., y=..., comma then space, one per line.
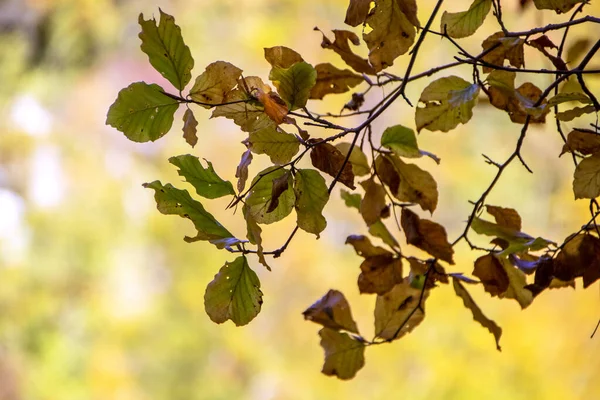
x=234, y=294
x=278, y=145
x=478, y=315
x=172, y=201
x=294, y=83
x=586, y=184
x=378, y=229
x=344, y=355
x=463, y=24
x=311, y=197
x=358, y=159
x=567, y=97
x=392, y=33
x=333, y=80
x=205, y=180
x=408, y=182
x=560, y=6
x=166, y=50
x=351, y=199
x=213, y=85
x=401, y=140
x=448, y=102
x=254, y=235
x=398, y=312
x=142, y=112
x=260, y=197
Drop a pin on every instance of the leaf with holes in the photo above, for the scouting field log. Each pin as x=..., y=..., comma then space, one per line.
x=311, y=197
x=234, y=294
x=391, y=35
x=213, y=85
x=332, y=80
x=142, y=112
x=448, y=102
x=465, y=23
x=260, y=197
x=205, y=180
x=166, y=50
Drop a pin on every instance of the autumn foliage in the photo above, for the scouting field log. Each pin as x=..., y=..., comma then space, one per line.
x=376, y=177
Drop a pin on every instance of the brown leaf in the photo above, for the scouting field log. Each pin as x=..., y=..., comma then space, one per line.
x=409, y=8
x=189, y=128
x=332, y=80
x=379, y=274
x=583, y=142
x=509, y=48
x=391, y=35
x=357, y=12
x=426, y=235
x=373, y=203
x=355, y=102
x=242, y=170
x=398, y=311
x=342, y=47
x=330, y=160
x=518, y=103
x=507, y=217
x=280, y=185
x=478, y=315
x=580, y=256
x=408, y=182
x=436, y=274
x=281, y=56
x=491, y=273
x=274, y=105
x=543, y=42
x=332, y=311
x=253, y=234
x=363, y=247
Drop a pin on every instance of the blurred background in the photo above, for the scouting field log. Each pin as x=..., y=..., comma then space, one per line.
x=100, y=298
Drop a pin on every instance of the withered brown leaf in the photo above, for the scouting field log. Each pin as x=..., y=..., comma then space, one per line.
x=426, y=235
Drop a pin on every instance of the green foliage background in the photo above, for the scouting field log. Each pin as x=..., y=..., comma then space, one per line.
x=100, y=298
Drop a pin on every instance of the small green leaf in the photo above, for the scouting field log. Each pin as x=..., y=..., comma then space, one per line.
x=278, y=145
x=205, y=180
x=294, y=83
x=172, y=201
x=142, y=112
x=586, y=184
x=448, y=102
x=378, y=229
x=401, y=140
x=517, y=241
x=234, y=294
x=211, y=87
x=311, y=198
x=260, y=197
x=166, y=50
x=344, y=355
x=465, y=23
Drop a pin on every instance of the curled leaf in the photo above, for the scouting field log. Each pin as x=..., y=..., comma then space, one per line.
x=333, y=312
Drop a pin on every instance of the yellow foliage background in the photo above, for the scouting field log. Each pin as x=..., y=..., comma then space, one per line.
x=100, y=298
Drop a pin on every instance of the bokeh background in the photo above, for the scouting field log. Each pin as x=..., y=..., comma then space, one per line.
x=100, y=298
